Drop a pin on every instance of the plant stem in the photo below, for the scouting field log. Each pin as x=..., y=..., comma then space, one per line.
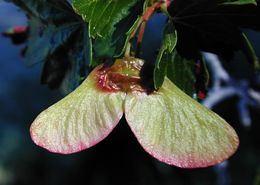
x=141, y=26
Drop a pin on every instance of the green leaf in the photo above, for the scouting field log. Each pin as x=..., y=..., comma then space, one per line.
x=177, y=130
x=59, y=38
x=212, y=26
x=103, y=15
x=44, y=40
x=50, y=27
x=114, y=45
x=170, y=63
x=118, y=27
x=80, y=120
x=181, y=72
x=79, y=58
x=240, y=2
x=164, y=56
x=250, y=53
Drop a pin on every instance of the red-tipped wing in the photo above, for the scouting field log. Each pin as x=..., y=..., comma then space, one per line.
x=177, y=130
x=80, y=120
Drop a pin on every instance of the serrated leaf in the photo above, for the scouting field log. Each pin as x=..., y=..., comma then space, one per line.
x=101, y=15
x=56, y=38
x=69, y=63
x=167, y=47
x=177, y=130
x=80, y=120
x=212, y=26
x=50, y=27
x=169, y=41
x=54, y=12
x=44, y=40
x=114, y=45
x=79, y=58
x=55, y=68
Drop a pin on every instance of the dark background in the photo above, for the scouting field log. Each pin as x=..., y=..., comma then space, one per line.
x=118, y=159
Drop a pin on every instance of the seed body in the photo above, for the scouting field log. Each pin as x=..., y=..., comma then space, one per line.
x=123, y=75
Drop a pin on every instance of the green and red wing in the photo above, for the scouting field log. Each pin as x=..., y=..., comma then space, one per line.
x=177, y=130
x=80, y=120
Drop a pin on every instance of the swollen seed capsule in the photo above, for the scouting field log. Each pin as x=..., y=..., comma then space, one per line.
x=123, y=75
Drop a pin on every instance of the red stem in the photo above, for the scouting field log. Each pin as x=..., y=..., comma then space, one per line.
x=145, y=18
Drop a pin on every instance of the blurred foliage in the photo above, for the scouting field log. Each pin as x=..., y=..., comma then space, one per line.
x=213, y=26
x=59, y=38
x=257, y=178
x=56, y=33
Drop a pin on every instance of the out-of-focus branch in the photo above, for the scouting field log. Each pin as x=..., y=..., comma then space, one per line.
x=224, y=86
x=223, y=175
